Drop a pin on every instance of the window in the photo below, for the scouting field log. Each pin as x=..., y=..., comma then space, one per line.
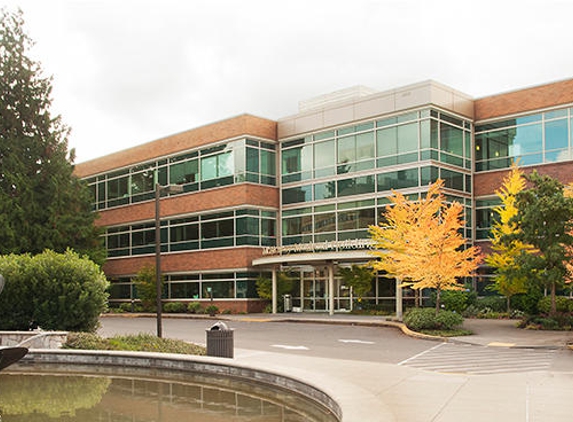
x=398, y=180
x=298, y=194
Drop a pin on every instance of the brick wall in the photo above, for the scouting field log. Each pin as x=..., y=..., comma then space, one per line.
x=487, y=183
x=205, y=260
x=529, y=99
x=213, y=199
x=226, y=129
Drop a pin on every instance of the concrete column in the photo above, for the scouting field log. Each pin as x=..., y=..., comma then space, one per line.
x=274, y=282
x=331, y=288
x=399, y=310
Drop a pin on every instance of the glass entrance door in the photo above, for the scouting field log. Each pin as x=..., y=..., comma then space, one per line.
x=315, y=290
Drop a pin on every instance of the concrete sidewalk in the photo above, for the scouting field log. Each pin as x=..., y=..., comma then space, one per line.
x=374, y=392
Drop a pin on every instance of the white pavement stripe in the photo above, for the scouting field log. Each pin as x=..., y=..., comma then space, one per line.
x=355, y=341
x=420, y=354
x=480, y=360
x=288, y=347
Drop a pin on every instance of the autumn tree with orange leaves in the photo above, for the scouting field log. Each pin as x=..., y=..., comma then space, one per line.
x=421, y=242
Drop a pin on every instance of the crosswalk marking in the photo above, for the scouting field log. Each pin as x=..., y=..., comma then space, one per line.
x=480, y=360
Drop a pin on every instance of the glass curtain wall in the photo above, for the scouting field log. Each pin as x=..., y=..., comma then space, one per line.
x=241, y=161
x=227, y=285
x=205, y=231
x=534, y=139
x=334, y=182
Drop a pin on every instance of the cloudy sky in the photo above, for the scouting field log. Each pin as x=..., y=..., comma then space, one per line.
x=129, y=72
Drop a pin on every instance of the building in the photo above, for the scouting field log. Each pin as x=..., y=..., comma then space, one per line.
x=298, y=194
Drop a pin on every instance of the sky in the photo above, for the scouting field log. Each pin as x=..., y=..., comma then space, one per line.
x=129, y=72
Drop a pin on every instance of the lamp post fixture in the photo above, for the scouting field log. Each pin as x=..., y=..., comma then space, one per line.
x=158, y=190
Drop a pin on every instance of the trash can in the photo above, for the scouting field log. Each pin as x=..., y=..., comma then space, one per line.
x=287, y=303
x=220, y=341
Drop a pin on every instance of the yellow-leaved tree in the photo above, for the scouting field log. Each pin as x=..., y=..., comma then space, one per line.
x=421, y=242
x=568, y=193
x=504, y=253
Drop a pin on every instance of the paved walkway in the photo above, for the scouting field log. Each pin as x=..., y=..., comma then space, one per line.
x=380, y=392
x=487, y=332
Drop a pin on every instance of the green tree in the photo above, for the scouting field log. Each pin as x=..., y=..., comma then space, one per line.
x=545, y=219
x=145, y=284
x=42, y=204
x=359, y=277
x=508, y=281
x=265, y=287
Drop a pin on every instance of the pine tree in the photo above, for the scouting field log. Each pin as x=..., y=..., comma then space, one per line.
x=42, y=204
x=421, y=242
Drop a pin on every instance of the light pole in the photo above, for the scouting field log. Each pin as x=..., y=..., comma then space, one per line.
x=158, y=189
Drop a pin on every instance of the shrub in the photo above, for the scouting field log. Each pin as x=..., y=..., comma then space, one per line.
x=527, y=302
x=212, y=310
x=564, y=304
x=51, y=290
x=455, y=300
x=493, y=303
x=419, y=319
x=137, y=343
x=175, y=308
x=194, y=308
x=125, y=307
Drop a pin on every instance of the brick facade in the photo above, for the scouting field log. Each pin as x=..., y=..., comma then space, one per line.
x=524, y=100
x=205, y=135
x=206, y=260
x=194, y=202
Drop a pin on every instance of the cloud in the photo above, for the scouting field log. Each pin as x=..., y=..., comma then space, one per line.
x=126, y=72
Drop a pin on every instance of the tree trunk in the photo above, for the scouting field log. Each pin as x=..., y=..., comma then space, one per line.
x=508, y=304
x=553, y=300
x=438, y=293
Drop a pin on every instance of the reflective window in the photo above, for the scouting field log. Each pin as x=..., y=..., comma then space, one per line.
x=219, y=165
x=324, y=160
x=356, y=186
x=298, y=194
x=398, y=180
x=534, y=139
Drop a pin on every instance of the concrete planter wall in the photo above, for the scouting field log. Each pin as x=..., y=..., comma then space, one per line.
x=33, y=339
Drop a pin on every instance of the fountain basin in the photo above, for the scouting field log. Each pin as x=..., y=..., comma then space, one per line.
x=160, y=364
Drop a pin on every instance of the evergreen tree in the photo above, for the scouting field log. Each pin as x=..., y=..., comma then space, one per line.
x=42, y=204
x=545, y=219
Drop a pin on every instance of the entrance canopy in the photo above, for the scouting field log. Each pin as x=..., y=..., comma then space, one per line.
x=315, y=258
x=330, y=259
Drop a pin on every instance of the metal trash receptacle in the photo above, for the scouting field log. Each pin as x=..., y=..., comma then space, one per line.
x=287, y=303
x=220, y=341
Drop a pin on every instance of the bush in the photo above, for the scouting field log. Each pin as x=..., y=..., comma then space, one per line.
x=211, y=310
x=194, y=308
x=419, y=319
x=53, y=291
x=456, y=300
x=175, y=308
x=492, y=303
x=527, y=302
x=564, y=304
x=136, y=343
